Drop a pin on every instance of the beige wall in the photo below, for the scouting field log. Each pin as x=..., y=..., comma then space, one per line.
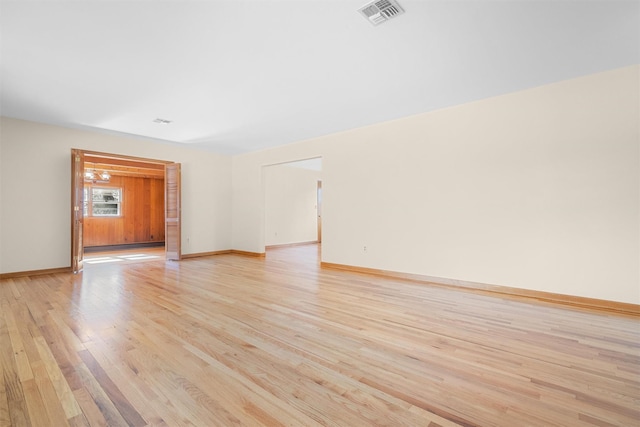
x=537, y=189
x=35, y=192
x=290, y=205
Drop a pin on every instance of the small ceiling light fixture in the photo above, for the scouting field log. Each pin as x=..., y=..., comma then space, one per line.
x=91, y=175
x=380, y=11
x=162, y=121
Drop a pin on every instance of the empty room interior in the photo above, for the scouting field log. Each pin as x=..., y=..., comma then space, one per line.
x=320, y=213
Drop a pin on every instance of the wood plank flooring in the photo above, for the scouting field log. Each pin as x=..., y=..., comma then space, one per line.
x=239, y=341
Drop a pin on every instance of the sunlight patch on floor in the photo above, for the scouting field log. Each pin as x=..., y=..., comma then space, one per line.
x=119, y=258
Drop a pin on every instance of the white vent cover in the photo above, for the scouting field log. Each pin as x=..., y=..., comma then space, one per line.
x=380, y=11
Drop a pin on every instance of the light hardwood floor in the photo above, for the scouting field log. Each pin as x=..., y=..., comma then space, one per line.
x=232, y=340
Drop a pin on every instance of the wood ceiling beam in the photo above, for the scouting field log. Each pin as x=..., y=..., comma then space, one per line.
x=122, y=162
x=125, y=170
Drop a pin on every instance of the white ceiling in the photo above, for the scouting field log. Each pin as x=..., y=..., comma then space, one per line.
x=240, y=75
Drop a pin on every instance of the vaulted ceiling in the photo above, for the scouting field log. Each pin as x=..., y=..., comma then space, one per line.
x=234, y=76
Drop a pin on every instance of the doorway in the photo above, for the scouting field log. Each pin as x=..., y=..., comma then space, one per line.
x=292, y=212
x=122, y=202
x=319, y=210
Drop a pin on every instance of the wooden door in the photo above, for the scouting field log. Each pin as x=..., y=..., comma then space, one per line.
x=77, y=209
x=172, y=211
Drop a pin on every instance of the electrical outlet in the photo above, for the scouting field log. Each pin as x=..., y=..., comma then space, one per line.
x=364, y=249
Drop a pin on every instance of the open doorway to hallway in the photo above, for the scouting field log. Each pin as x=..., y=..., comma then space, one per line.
x=292, y=195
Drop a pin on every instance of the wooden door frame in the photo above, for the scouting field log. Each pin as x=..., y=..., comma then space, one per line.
x=319, y=209
x=106, y=156
x=172, y=212
x=77, y=211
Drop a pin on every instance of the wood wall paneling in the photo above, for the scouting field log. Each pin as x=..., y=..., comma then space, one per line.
x=142, y=219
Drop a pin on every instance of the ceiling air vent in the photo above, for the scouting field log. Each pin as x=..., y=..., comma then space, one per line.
x=382, y=10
